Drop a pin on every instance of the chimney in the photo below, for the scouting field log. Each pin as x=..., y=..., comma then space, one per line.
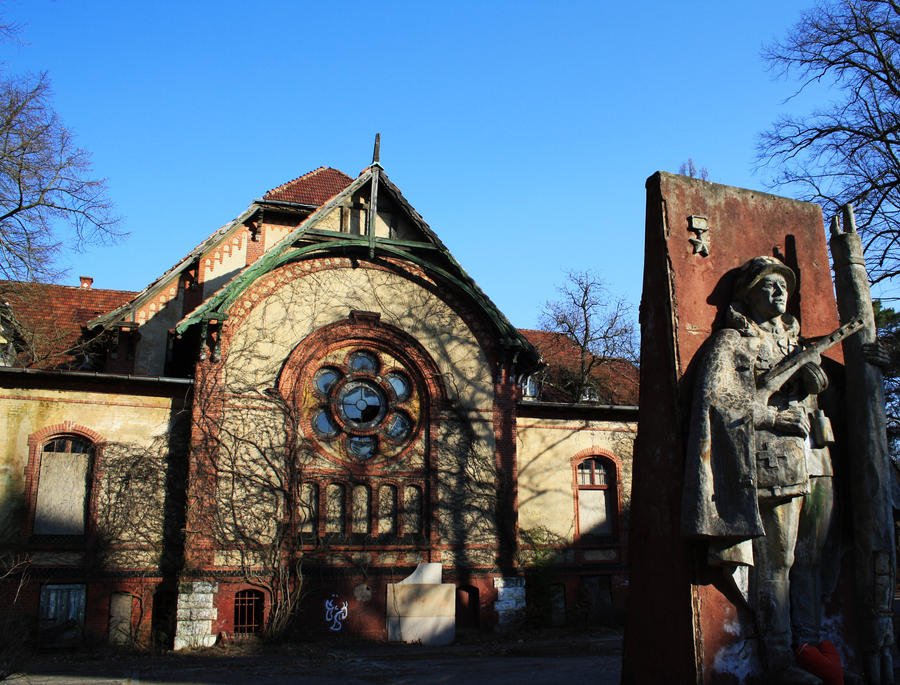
x=86, y=282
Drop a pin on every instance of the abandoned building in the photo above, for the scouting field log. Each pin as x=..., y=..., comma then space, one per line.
x=287, y=422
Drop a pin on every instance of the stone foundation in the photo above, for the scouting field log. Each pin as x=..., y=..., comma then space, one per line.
x=195, y=614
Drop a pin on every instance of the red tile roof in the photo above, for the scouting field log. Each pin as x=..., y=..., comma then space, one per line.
x=314, y=188
x=50, y=318
x=616, y=379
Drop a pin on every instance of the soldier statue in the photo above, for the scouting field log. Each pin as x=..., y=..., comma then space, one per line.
x=758, y=479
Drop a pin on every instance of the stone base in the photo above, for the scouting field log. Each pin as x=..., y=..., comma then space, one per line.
x=195, y=615
x=510, y=604
x=426, y=630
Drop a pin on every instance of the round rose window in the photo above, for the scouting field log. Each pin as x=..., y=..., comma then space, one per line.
x=366, y=405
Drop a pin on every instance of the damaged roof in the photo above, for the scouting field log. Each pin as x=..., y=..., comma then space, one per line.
x=49, y=319
x=430, y=254
x=308, y=190
x=616, y=379
x=314, y=188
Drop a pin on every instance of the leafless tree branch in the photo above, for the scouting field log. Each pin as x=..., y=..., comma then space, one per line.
x=601, y=328
x=45, y=181
x=847, y=152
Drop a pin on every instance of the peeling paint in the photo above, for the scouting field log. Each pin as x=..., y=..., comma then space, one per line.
x=737, y=659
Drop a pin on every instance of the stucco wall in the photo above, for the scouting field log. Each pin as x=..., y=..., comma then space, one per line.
x=156, y=318
x=545, y=451
x=281, y=309
x=134, y=430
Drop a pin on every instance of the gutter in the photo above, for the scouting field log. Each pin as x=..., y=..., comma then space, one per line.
x=576, y=405
x=94, y=375
x=285, y=203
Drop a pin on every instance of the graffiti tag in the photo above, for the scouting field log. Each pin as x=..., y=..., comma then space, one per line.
x=335, y=614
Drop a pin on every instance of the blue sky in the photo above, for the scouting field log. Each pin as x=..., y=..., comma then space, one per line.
x=523, y=133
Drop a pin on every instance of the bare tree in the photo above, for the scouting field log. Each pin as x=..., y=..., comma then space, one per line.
x=13, y=623
x=45, y=180
x=688, y=169
x=596, y=345
x=847, y=152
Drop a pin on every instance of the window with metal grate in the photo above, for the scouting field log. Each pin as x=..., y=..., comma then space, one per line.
x=248, y=612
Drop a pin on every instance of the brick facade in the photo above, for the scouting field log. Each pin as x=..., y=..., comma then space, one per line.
x=271, y=443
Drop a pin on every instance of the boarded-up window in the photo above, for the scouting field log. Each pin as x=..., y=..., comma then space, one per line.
x=596, y=498
x=387, y=509
x=359, y=512
x=334, y=509
x=412, y=510
x=62, y=494
x=120, y=606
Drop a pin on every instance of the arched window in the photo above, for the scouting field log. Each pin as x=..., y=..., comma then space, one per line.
x=248, y=612
x=62, y=494
x=531, y=387
x=596, y=495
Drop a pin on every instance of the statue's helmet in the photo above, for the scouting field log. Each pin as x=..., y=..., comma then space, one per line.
x=752, y=271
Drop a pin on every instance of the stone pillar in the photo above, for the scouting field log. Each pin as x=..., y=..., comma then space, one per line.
x=195, y=614
x=873, y=524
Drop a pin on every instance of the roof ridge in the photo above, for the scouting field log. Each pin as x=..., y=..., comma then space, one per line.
x=38, y=284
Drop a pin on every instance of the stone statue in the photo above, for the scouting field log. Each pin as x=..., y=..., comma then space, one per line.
x=758, y=478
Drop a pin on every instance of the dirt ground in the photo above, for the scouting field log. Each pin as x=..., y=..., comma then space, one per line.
x=538, y=658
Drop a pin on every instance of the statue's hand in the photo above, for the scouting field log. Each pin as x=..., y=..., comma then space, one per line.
x=877, y=354
x=793, y=421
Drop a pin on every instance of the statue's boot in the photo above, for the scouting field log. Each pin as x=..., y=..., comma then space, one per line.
x=792, y=675
x=783, y=670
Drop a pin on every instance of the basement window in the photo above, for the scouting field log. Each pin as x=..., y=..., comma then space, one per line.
x=61, y=615
x=248, y=612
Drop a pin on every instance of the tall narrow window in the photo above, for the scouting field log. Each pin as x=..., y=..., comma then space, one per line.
x=62, y=496
x=412, y=510
x=335, y=509
x=596, y=498
x=359, y=514
x=387, y=509
x=309, y=508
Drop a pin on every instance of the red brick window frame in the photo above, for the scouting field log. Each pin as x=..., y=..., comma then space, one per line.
x=60, y=438
x=595, y=482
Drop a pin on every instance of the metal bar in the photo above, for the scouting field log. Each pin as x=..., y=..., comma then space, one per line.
x=373, y=210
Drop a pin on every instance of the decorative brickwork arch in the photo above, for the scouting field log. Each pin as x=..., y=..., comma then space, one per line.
x=267, y=284
x=364, y=336
x=360, y=336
